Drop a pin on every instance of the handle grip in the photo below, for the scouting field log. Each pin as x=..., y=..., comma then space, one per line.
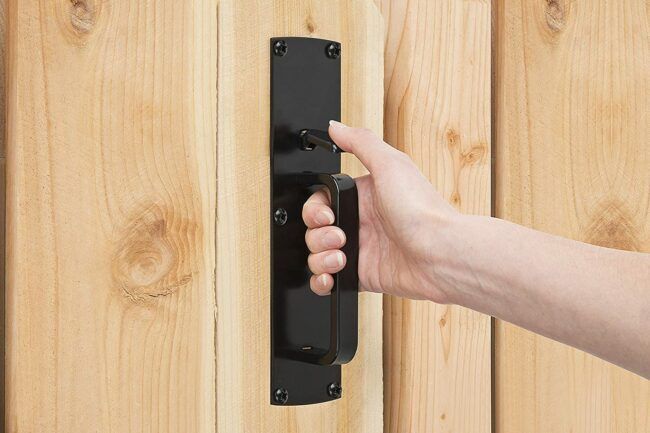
x=344, y=300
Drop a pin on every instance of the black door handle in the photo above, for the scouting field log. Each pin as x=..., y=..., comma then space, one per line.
x=311, y=335
x=344, y=297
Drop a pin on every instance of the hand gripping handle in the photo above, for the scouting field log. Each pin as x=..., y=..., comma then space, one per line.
x=344, y=298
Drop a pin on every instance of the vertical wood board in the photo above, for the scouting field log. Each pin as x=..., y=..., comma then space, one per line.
x=243, y=215
x=572, y=124
x=3, y=171
x=111, y=216
x=437, y=365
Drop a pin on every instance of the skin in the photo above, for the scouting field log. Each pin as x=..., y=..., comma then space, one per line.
x=413, y=244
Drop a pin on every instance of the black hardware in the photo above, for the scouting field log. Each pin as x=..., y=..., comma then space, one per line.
x=280, y=48
x=334, y=50
x=311, y=336
x=280, y=216
x=310, y=138
x=280, y=396
x=335, y=390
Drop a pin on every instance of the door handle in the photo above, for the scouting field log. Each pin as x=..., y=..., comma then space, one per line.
x=311, y=335
x=344, y=297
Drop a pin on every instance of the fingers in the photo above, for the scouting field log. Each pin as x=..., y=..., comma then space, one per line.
x=323, y=241
x=321, y=284
x=316, y=211
x=327, y=262
x=323, y=265
x=324, y=238
x=371, y=150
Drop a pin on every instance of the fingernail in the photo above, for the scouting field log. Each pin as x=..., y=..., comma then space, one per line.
x=333, y=239
x=325, y=218
x=335, y=124
x=334, y=260
x=322, y=280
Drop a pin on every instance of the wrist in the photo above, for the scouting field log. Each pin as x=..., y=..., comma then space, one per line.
x=454, y=274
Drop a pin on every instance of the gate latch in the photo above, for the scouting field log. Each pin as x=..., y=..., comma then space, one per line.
x=311, y=336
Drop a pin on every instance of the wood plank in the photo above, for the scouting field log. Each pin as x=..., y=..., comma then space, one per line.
x=243, y=215
x=572, y=158
x=437, y=92
x=111, y=216
x=3, y=171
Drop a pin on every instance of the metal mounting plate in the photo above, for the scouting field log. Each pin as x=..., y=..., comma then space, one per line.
x=305, y=94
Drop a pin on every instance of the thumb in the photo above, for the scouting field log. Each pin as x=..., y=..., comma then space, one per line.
x=371, y=150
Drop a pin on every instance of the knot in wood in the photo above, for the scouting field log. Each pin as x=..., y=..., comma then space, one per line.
x=555, y=16
x=146, y=262
x=311, y=24
x=82, y=15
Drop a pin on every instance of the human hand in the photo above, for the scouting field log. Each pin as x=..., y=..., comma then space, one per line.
x=413, y=244
x=402, y=218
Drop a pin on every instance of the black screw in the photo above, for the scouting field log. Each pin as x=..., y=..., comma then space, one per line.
x=333, y=50
x=280, y=216
x=281, y=396
x=334, y=390
x=280, y=48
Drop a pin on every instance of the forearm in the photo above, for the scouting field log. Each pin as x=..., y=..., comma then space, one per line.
x=592, y=298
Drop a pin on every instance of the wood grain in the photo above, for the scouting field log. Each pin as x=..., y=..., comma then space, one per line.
x=243, y=215
x=111, y=216
x=437, y=365
x=3, y=171
x=572, y=158
x=138, y=268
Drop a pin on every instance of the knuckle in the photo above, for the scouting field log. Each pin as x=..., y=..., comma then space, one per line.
x=314, y=261
x=310, y=261
x=321, y=196
x=307, y=205
x=305, y=209
x=313, y=245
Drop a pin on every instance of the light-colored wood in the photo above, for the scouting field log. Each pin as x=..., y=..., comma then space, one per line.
x=3, y=166
x=111, y=202
x=437, y=93
x=572, y=158
x=138, y=220
x=244, y=215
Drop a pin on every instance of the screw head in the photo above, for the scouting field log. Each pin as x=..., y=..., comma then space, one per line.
x=280, y=48
x=333, y=50
x=334, y=390
x=280, y=216
x=281, y=396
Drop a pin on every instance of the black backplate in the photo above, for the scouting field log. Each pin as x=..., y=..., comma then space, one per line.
x=305, y=94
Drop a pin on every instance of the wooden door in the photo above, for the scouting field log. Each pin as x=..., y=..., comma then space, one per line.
x=572, y=101
x=138, y=214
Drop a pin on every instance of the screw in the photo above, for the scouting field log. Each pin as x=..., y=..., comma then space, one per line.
x=333, y=50
x=280, y=216
x=334, y=390
x=280, y=48
x=281, y=396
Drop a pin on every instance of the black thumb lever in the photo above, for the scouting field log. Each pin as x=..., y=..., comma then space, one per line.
x=310, y=138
